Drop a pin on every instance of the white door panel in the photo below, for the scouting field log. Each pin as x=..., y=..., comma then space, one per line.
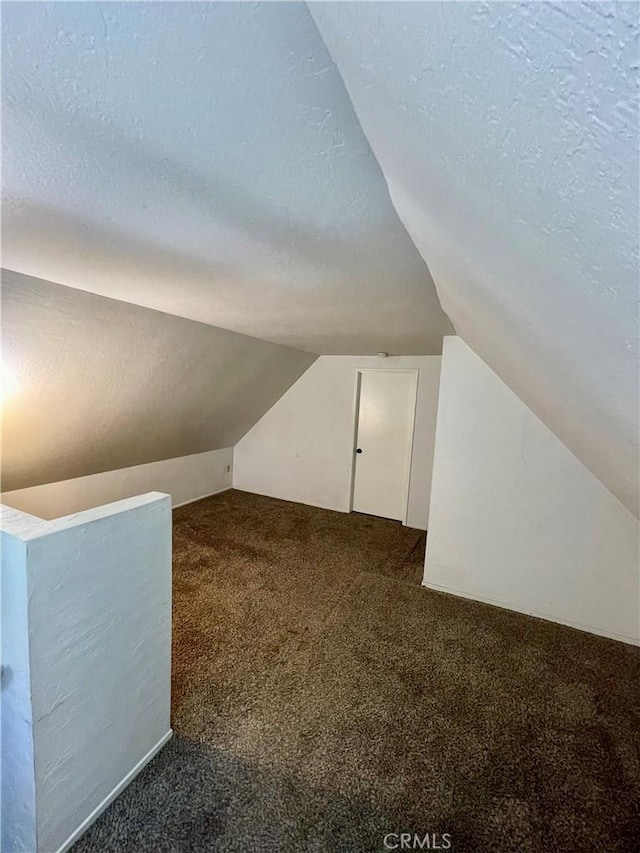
x=386, y=414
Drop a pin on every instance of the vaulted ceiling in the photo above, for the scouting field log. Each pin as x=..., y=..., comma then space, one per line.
x=508, y=136
x=105, y=384
x=255, y=166
x=203, y=159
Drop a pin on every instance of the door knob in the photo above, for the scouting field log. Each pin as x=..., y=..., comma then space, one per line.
x=358, y=450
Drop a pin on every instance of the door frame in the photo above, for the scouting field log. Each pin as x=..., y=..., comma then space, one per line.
x=356, y=412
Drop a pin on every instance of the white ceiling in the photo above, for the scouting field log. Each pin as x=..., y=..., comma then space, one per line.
x=204, y=159
x=508, y=135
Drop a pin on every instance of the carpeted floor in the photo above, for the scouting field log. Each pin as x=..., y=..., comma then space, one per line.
x=323, y=699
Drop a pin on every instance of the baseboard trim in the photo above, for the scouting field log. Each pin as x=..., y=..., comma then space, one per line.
x=290, y=500
x=202, y=497
x=589, y=629
x=414, y=526
x=95, y=814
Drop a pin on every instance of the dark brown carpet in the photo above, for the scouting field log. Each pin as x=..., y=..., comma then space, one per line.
x=323, y=699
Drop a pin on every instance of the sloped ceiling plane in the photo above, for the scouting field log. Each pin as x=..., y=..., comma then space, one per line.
x=204, y=159
x=299, y=172
x=508, y=136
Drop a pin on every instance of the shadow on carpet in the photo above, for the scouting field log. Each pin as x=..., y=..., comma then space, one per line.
x=323, y=699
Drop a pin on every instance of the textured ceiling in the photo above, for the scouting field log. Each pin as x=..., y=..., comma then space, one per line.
x=204, y=159
x=508, y=135
x=104, y=384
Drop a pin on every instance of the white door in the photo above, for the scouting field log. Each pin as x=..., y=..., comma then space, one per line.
x=386, y=411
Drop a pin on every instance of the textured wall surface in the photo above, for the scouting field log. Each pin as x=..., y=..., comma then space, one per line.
x=516, y=519
x=98, y=612
x=203, y=159
x=103, y=384
x=508, y=134
x=17, y=782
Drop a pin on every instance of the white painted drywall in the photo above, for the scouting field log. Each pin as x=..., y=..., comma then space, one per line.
x=302, y=448
x=516, y=519
x=17, y=776
x=98, y=612
x=236, y=186
x=508, y=134
x=186, y=479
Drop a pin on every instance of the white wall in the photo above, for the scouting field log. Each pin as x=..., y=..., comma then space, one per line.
x=97, y=607
x=17, y=780
x=302, y=448
x=185, y=478
x=516, y=519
